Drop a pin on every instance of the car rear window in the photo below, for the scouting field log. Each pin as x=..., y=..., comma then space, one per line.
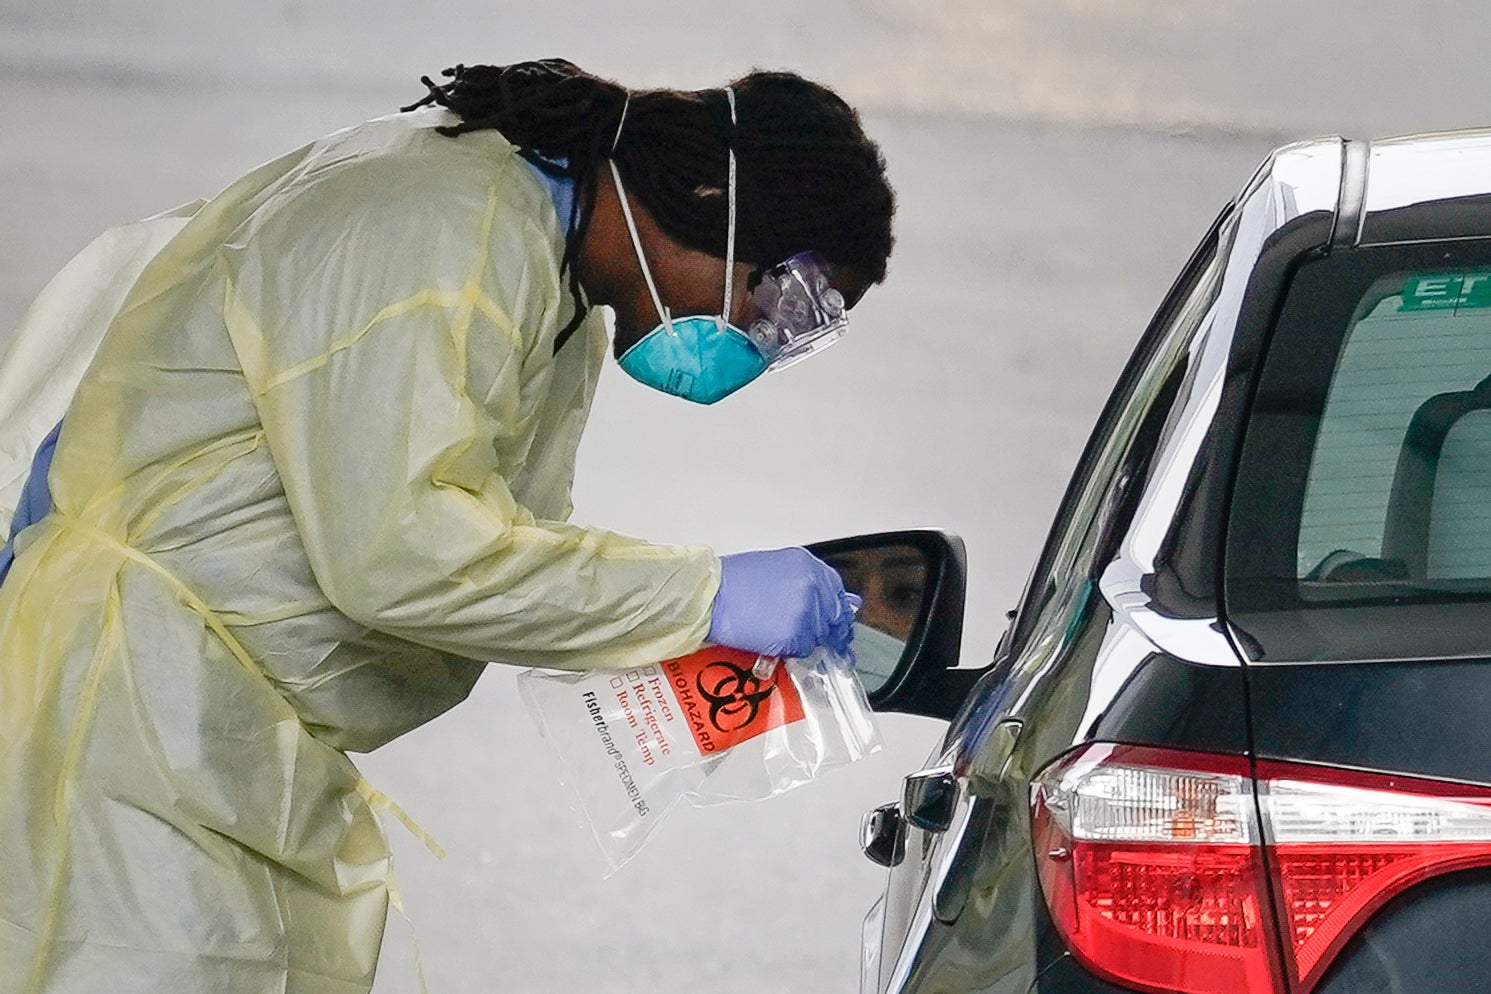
x=1419, y=351
x=1361, y=523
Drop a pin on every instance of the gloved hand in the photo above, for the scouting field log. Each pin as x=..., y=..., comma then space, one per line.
x=783, y=602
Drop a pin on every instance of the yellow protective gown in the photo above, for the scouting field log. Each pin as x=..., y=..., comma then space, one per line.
x=319, y=465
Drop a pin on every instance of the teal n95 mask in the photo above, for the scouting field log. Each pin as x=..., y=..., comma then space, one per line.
x=793, y=312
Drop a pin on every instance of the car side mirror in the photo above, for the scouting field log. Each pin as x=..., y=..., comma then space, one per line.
x=907, y=638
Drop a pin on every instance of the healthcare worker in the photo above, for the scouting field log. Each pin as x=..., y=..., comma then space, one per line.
x=319, y=468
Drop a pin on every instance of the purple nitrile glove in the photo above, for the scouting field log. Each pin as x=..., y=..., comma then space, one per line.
x=782, y=602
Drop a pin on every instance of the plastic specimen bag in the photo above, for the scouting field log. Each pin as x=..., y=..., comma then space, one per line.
x=703, y=728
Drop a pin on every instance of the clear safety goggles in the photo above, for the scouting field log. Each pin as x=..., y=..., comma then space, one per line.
x=794, y=312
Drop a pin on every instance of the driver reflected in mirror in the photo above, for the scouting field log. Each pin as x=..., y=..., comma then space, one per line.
x=891, y=580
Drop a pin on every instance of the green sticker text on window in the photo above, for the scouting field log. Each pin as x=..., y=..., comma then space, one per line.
x=1447, y=292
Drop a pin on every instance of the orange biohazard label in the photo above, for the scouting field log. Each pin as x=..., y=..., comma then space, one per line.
x=724, y=703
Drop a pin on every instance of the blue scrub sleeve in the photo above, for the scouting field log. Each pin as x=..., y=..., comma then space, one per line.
x=36, y=498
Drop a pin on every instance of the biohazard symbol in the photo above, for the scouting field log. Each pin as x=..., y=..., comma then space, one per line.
x=735, y=695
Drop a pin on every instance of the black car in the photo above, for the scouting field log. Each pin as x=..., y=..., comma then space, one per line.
x=1237, y=736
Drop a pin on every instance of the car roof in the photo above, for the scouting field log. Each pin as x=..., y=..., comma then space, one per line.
x=1429, y=186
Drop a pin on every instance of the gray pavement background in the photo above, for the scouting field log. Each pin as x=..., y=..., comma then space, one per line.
x=1055, y=160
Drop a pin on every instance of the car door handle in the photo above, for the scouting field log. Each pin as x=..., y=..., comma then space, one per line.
x=882, y=835
x=930, y=798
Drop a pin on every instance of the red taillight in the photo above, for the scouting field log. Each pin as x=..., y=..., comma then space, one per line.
x=1344, y=843
x=1151, y=867
x=1153, y=862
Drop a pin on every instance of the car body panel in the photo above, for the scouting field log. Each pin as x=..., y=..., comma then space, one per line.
x=1424, y=718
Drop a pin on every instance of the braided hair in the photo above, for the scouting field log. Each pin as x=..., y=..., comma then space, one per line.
x=807, y=176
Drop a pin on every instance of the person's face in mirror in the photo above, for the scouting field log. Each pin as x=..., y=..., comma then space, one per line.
x=891, y=581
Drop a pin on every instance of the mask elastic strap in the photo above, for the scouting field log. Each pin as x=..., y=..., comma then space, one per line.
x=730, y=224
x=631, y=227
x=621, y=122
